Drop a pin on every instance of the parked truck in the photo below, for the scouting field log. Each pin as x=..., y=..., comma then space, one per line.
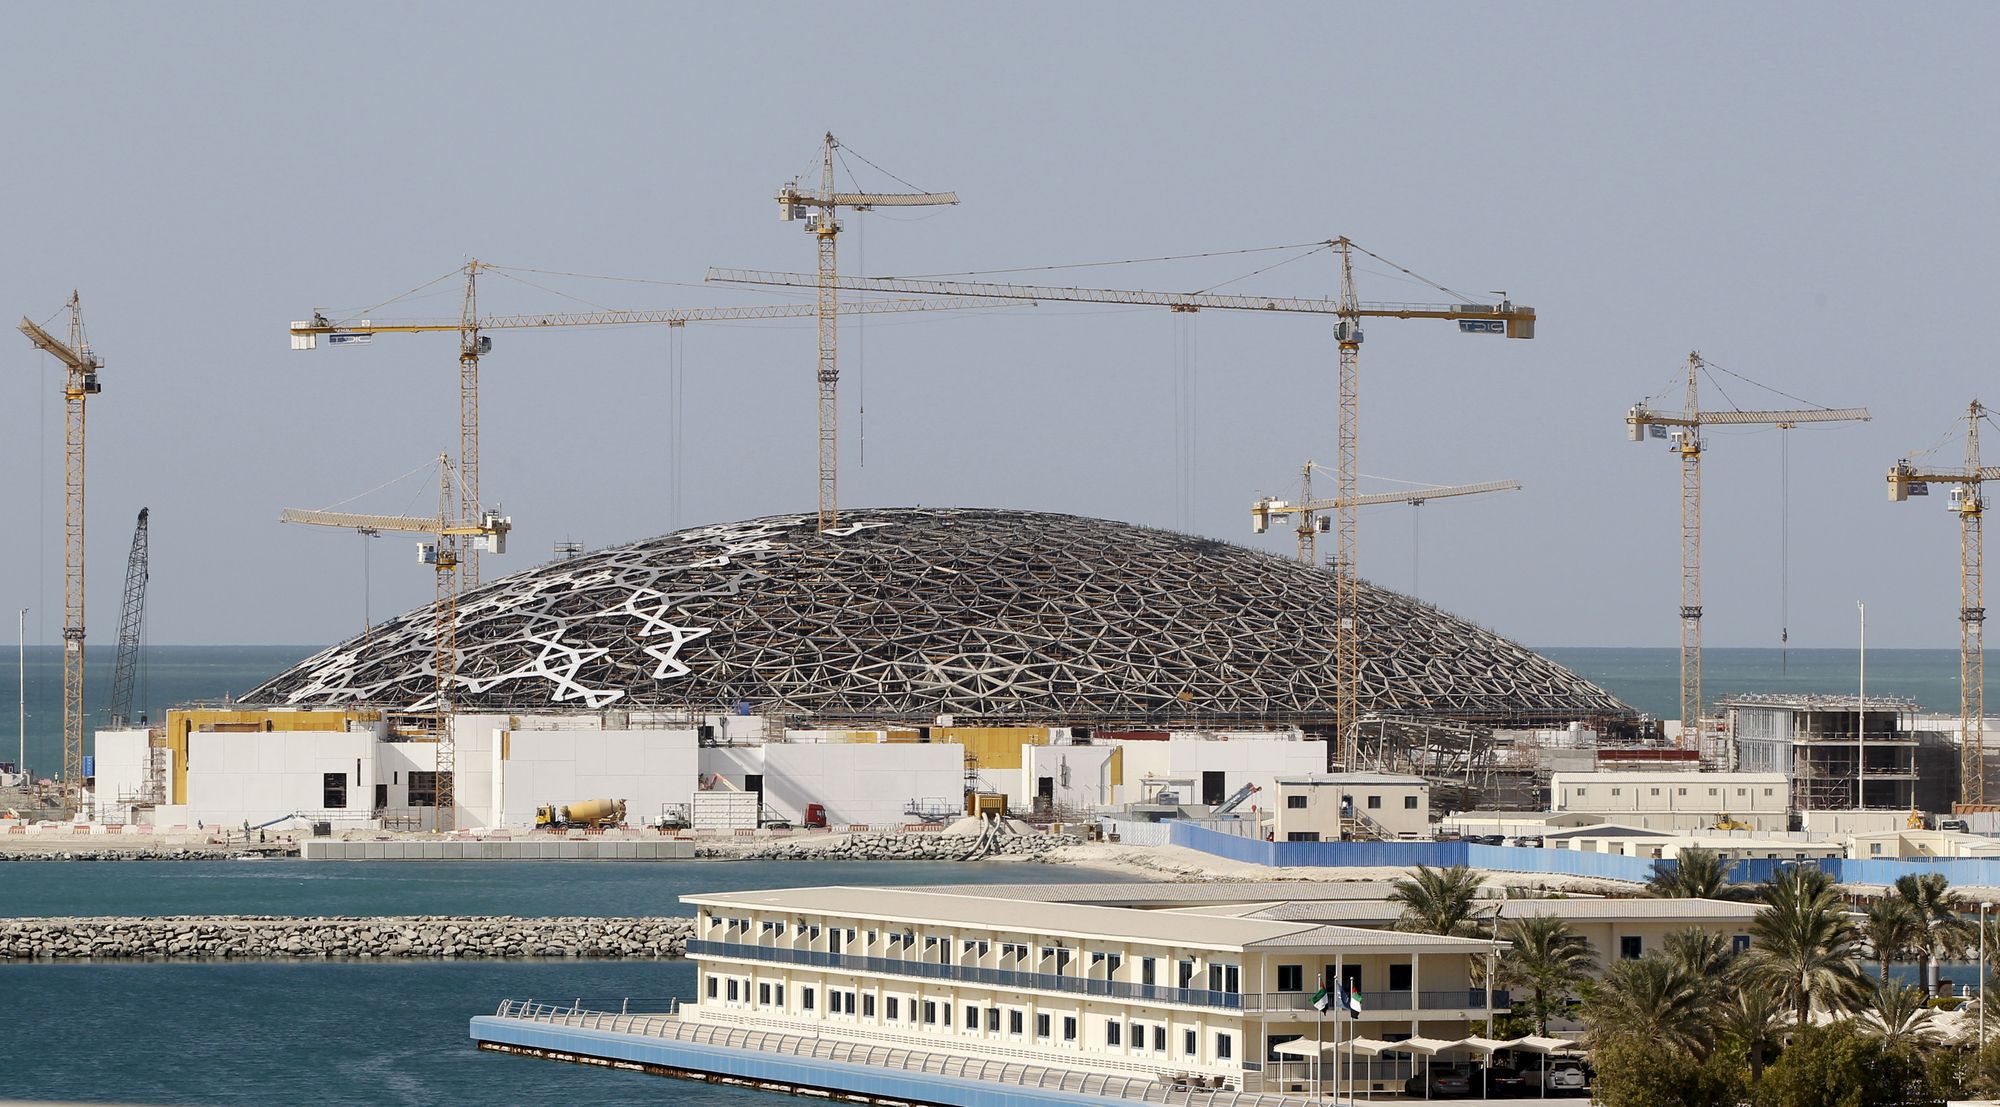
x=589, y=813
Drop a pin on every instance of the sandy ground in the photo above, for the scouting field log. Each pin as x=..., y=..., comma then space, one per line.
x=1178, y=863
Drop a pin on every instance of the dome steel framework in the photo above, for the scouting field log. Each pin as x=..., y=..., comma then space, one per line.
x=905, y=614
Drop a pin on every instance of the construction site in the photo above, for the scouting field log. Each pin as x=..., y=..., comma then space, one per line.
x=902, y=628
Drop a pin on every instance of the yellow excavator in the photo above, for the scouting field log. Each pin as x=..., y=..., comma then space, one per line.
x=1728, y=822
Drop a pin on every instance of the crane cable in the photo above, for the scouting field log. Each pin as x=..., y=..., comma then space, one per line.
x=1784, y=550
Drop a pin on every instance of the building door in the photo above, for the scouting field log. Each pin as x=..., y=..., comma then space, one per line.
x=1214, y=788
x=1045, y=794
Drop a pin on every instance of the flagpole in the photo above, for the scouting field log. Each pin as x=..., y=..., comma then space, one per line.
x=1319, y=1051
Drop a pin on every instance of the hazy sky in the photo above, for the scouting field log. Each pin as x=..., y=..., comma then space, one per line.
x=1794, y=189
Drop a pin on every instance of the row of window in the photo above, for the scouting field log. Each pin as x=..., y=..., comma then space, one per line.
x=1740, y=792
x=1298, y=803
x=333, y=791
x=930, y=1012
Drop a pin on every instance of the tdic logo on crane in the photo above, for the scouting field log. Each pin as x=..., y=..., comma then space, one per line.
x=1482, y=326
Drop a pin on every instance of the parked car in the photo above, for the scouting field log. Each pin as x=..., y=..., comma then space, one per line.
x=1441, y=1081
x=1563, y=1078
x=1502, y=1080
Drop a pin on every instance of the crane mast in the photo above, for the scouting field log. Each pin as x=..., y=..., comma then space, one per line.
x=474, y=343
x=824, y=225
x=1503, y=318
x=1687, y=445
x=79, y=384
x=1968, y=502
x=130, y=624
x=489, y=530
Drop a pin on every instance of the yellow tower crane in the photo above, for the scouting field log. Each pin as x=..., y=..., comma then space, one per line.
x=1968, y=502
x=488, y=530
x=1686, y=437
x=1312, y=517
x=824, y=225
x=474, y=343
x=1502, y=318
x=79, y=384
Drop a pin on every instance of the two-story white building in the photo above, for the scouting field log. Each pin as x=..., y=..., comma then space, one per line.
x=1686, y=802
x=1324, y=807
x=1118, y=990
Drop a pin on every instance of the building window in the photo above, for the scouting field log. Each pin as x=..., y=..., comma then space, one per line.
x=1014, y=1022
x=1112, y=1028
x=1740, y=943
x=1409, y=803
x=1302, y=836
x=1581, y=792
x=930, y=1012
x=423, y=789
x=1618, y=791
x=1224, y=1047
x=1680, y=791
x=714, y=986
x=993, y=1020
x=805, y=999
x=891, y=1008
x=1146, y=972
x=1655, y=791
x=1069, y=1028
x=1291, y=978
x=1742, y=792
x=971, y=1017
x=333, y=791
x=1160, y=1039
x=868, y=1005
x=1041, y=1026
x=1295, y=803
x=1628, y=948
x=1767, y=792
x=763, y=995
x=1185, y=974
x=732, y=990
x=1711, y=791
x=778, y=995
x=1399, y=978
x=1374, y=803
x=1874, y=848
x=1190, y=1042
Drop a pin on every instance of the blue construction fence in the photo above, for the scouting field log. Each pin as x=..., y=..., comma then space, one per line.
x=1555, y=862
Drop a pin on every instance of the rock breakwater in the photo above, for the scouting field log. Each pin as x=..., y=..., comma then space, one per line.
x=270, y=937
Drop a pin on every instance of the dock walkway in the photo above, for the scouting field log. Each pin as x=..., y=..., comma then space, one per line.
x=667, y=1045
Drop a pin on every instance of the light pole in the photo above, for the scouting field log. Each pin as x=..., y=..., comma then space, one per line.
x=1983, y=908
x=21, y=687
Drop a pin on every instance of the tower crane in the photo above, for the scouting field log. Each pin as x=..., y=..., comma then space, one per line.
x=130, y=623
x=823, y=224
x=1312, y=517
x=446, y=555
x=79, y=384
x=474, y=343
x=1686, y=436
x=1502, y=318
x=1968, y=502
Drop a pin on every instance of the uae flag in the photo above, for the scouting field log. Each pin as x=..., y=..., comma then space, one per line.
x=1354, y=1002
x=1321, y=1001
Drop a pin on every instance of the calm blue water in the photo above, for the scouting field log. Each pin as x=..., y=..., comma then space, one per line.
x=167, y=675
x=335, y=1034
x=1650, y=679
x=524, y=888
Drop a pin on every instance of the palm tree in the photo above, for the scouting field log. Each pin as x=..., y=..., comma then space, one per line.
x=1939, y=927
x=1707, y=957
x=1899, y=1015
x=1694, y=874
x=1438, y=901
x=1889, y=925
x=1652, y=1001
x=1803, y=946
x=1753, y=1020
x=1549, y=958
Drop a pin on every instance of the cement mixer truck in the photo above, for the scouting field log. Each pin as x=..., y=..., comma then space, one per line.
x=590, y=813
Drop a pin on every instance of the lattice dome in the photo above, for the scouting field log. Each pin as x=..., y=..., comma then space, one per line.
x=905, y=614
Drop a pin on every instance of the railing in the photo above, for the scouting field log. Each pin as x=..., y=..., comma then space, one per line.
x=1452, y=999
x=1163, y=1087
x=999, y=978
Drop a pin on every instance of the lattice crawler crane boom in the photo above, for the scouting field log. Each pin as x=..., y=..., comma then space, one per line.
x=131, y=623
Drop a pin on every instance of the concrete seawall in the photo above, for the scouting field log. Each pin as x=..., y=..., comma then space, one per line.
x=262, y=937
